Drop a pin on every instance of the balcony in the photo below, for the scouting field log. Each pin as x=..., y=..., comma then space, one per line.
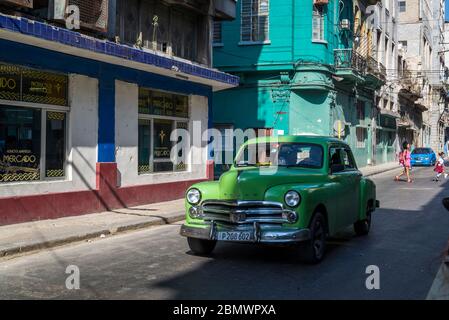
x=376, y=69
x=410, y=87
x=225, y=9
x=349, y=64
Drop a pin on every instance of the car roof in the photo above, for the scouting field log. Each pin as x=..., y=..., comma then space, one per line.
x=298, y=138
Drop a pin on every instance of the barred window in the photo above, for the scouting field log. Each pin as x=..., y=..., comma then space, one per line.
x=159, y=114
x=360, y=110
x=317, y=24
x=218, y=33
x=31, y=149
x=33, y=124
x=255, y=20
x=361, y=137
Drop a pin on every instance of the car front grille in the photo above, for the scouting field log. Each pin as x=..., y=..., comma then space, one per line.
x=243, y=212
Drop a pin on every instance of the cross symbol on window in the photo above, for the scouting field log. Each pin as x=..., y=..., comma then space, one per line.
x=162, y=136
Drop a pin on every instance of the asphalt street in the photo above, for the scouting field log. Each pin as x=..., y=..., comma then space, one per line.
x=407, y=240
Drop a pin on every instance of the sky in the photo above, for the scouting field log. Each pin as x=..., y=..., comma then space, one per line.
x=447, y=10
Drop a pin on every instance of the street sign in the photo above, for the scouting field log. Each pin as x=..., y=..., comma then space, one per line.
x=339, y=129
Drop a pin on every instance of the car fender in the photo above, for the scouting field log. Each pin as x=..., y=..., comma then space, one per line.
x=367, y=194
x=312, y=197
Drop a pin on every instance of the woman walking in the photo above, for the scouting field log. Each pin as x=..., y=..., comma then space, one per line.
x=405, y=161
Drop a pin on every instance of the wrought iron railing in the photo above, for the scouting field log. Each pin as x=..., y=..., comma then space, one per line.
x=373, y=65
x=349, y=59
x=382, y=69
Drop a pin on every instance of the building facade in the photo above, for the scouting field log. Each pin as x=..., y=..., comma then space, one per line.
x=87, y=115
x=306, y=67
x=423, y=93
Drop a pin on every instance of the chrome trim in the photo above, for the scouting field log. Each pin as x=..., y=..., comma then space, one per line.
x=244, y=212
x=237, y=203
x=262, y=234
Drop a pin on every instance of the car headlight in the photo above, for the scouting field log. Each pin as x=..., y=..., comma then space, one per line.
x=194, y=196
x=292, y=198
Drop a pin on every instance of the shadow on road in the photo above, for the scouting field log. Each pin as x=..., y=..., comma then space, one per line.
x=406, y=243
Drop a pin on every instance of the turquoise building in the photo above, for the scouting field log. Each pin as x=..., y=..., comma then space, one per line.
x=300, y=73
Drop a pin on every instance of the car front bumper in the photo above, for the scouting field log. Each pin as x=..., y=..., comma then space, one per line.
x=260, y=233
x=422, y=162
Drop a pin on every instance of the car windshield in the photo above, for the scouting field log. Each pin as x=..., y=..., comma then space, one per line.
x=421, y=151
x=303, y=155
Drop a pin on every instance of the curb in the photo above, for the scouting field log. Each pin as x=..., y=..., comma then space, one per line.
x=44, y=245
x=379, y=172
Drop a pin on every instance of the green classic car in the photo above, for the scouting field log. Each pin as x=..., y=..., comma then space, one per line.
x=283, y=190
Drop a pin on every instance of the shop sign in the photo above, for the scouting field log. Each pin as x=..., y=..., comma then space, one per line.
x=19, y=165
x=35, y=86
x=10, y=77
x=162, y=143
x=163, y=104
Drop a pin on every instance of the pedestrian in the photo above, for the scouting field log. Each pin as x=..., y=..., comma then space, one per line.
x=439, y=167
x=405, y=162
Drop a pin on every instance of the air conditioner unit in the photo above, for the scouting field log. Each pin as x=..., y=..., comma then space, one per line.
x=93, y=13
x=18, y=3
x=320, y=2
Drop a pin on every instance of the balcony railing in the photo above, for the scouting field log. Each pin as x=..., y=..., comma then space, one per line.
x=410, y=83
x=348, y=59
x=382, y=69
x=373, y=65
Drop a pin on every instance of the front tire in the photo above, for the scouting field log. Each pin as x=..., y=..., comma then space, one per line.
x=363, y=227
x=201, y=247
x=313, y=251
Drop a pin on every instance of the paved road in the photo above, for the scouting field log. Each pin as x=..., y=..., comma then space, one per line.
x=408, y=237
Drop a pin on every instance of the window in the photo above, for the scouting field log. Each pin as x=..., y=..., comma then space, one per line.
x=28, y=144
x=361, y=137
x=317, y=24
x=160, y=113
x=183, y=35
x=263, y=132
x=218, y=33
x=360, y=110
x=402, y=6
x=347, y=159
x=255, y=21
x=341, y=156
x=33, y=139
x=226, y=146
x=167, y=28
x=300, y=155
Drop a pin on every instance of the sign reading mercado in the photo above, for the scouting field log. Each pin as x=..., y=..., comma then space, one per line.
x=23, y=156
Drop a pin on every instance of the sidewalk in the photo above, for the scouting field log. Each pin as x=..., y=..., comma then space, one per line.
x=45, y=234
x=440, y=286
x=38, y=235
x=372, y=170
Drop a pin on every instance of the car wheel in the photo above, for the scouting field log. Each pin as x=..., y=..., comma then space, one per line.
x=313, y=251
x=363, y=227
x=200, y=246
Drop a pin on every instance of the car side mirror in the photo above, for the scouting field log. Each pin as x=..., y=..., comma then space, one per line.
x=335, y=168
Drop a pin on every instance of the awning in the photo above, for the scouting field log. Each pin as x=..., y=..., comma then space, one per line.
x=62, y=40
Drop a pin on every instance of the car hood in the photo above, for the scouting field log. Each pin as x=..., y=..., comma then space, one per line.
x=252, y=183
x=420, y=155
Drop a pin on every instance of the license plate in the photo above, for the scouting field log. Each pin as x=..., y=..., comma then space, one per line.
x=235, y=236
